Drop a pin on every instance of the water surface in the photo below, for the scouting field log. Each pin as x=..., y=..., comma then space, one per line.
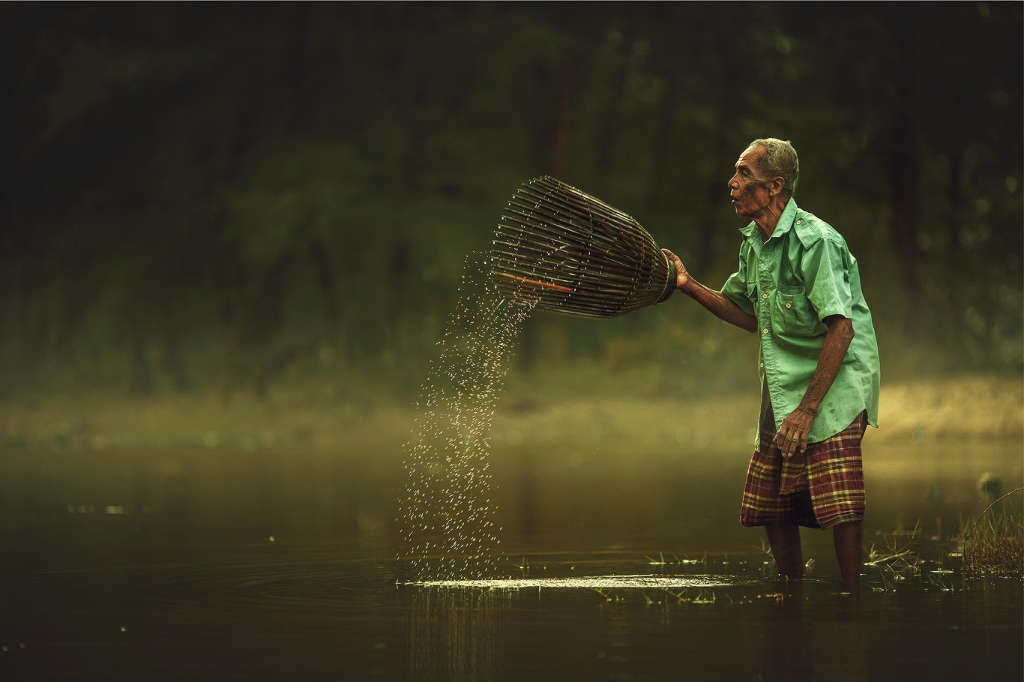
x=281, y=565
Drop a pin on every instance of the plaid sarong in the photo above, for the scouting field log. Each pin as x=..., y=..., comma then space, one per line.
x=829, y=472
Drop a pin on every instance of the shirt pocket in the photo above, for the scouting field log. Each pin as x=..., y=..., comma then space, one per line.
x=793, y=314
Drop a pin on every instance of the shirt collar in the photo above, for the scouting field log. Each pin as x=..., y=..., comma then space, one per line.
x=782, y=227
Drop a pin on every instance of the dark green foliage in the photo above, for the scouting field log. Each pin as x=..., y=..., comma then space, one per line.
x=226, y=194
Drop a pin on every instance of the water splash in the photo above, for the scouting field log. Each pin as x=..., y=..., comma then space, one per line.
x=591, y=582
x=447, y=521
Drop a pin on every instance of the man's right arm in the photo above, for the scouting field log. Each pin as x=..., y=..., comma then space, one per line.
x=715, y=301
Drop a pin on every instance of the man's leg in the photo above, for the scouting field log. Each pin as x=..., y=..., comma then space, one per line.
x=784, y=538
x=847, y=537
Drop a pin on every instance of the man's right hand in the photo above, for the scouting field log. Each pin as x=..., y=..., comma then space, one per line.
x=682, y=276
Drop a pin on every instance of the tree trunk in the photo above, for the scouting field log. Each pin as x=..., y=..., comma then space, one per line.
x=954, y=252
x=903, y=173
x=563, y=127
x=173, y=357
x=141, y=376
x=328, y=287
x=904, y=167
x=609, y=126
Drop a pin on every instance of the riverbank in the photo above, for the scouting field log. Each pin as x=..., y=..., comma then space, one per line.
x=965, y=408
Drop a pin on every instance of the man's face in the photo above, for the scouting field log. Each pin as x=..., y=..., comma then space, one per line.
x=748, y=191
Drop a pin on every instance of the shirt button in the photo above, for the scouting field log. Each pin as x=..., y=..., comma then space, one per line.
x=789, y=305
x=764, y=331
x=764, y=295
x=762, y=365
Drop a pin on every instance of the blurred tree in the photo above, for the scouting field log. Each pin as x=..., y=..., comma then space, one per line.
x=219, y=194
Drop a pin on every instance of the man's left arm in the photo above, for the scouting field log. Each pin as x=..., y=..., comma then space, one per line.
x=793, y=431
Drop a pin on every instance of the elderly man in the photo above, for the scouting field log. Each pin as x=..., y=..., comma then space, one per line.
x=797, y=288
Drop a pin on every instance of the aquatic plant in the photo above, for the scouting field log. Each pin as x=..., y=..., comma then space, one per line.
x=674, y=561
x=993, y=543
x=895, y=558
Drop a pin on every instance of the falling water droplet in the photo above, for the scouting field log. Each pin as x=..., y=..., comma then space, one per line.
x=447, y=516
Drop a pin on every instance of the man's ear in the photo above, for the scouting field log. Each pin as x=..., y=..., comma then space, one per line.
x=776, y=185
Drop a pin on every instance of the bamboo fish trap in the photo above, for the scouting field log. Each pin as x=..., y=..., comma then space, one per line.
x=572, y=253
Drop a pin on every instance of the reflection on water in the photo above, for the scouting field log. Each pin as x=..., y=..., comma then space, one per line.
x=744, y=629
x=293, y=612
x=591, y=582
x=261, y=566
x=455, y=634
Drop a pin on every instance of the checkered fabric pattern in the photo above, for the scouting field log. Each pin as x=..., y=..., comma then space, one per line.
x=830, y=471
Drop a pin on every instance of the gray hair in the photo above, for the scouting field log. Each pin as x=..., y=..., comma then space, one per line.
x=779, y=160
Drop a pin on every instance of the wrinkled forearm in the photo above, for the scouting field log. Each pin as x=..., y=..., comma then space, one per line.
x=837, y=341
x=720, y=305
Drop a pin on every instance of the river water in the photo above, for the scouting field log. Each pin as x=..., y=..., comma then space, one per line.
x=215, y=565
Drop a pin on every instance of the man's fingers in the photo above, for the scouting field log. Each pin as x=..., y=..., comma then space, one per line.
x=785, y=440
x=680, y=268
x=799, y=439
x=791, y=438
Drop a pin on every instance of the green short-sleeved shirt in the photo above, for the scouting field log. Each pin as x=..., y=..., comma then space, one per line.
x=791, y=283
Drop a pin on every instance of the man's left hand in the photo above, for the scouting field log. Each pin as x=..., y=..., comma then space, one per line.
x=792, y=434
